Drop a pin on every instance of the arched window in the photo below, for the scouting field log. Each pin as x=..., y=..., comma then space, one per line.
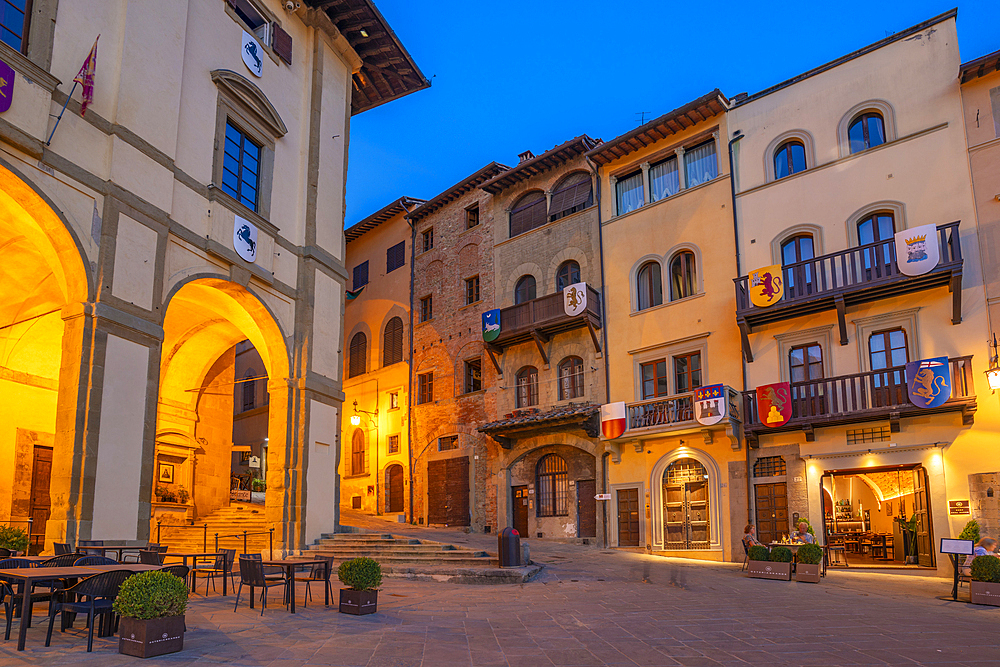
x=790, y=158
x=552, y=482
x=650, y=290
x=682, y=276
x=568, y=274
x=524, y=290
x=573, y=194
x=866, y=131
x=799, y=248
x=685, y=504
x=249, y=390
x=392, y=343
x=527, y=387
x=528, y=213
x=570, y=378
x=359, y=462
x=359, y=353
x=878, y=228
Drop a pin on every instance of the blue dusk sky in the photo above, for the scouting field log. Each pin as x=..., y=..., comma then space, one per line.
x=516, y=76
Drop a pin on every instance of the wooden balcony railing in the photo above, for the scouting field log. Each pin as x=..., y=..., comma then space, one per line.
x=856, y=275
x=545, y=316
x=670, y=413
x=868, y=396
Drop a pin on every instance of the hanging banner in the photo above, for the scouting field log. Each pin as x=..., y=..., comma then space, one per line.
x=491, y=325
x=253, y=55
x=766, y=286
x=613, y=420
x=917, y=250
x=575, y=299
x=6, y=86
x=710, y=404
x=245, y=239
x=774, y=407
x=928, y=382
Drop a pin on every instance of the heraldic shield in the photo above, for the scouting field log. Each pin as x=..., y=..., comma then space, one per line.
x=575, y=299
x=774, y=405
x=928, y=382
x=491, y=325
x=917, y=250
x=613, y=419
x=766, y=286
x=710, y=404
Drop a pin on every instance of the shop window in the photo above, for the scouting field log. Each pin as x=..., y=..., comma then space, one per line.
x=360, y=275
x=395, y=257
x=473, y=375
x=471, y=290
x=359, y=457
x=648, y=285
x=769, y=466
x=358, y=355
x=425, y=388
x=524, y=290
x=392, y=342
x=790, y=158
x=570, y=378
x=552, y=484
x=568, y=274
x=527, y=387
x=685, y=506
x=682, y=276
x=866, y=131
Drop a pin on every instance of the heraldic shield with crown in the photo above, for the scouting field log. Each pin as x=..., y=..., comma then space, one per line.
x=917, y=250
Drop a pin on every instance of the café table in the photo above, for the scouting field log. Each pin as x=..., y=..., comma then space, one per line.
x=794, y=548
x=290, y=565
x=194, y=556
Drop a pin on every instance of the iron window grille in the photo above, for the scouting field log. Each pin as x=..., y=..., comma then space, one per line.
x=769, y=466
x=552, y=482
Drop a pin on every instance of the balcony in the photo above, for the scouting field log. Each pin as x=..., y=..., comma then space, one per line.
x=862, y=397
x=853, y=276
x=675, y=414
x=541, y=318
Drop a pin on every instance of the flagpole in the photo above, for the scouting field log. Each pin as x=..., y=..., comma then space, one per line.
x=59, y=118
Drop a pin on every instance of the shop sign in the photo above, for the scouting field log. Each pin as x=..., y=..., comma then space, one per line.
x=254, y=462
x=245, y=238
x=774, y=405
x=575, y=299
x=958, y=507
x=766, y=286
x=6, y=86
x=710, y=404
x=253, y=55
x=917, y=250
x=613, y=419
x=491, y=325
x=928, y=382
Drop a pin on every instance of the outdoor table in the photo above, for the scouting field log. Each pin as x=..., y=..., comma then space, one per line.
x=194, y=559
x=794, y=548
x=290, y=566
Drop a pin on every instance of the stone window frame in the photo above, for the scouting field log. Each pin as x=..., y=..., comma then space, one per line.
x=804, y=137
x=897, y=208
x=865, y=326
x=802, y=229
x=881, y=107
x=667, y=351
x=388, y=444
x=823, y=336
x=270, y=17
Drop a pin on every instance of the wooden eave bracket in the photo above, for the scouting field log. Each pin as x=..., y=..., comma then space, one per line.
x=893, y=422
x=745, y=337
x=496, y=364
x=594, y=337
x=592, y=425
x=808, y=430
x=968, y=414
x=956, y=297
x=841, y=318
x=540, y=340
x=506, y=443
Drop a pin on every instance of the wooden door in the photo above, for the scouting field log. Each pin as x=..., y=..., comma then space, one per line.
x=699, y=529
x=772, y=511
x=448, y=491
x=922, y=510
x=40, y=505
x=394, y=489
x=674, y=534
x=519, y=507
x=586, y=508
x=628, y=517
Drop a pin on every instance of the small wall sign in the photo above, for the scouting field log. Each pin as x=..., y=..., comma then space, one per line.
x=602, y=496
x=245, y=239
x=254, y=461
x=253, y=55
x=956, y=507
x=6, y=86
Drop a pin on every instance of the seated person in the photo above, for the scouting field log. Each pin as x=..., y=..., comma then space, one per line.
x=803, y=536
x=750, y=537
x=985, y=547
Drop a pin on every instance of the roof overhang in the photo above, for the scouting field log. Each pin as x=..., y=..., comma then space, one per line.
x=401, y=205
x=549, y=159
x=457, y=190
x=584, y=417
x=980, y=67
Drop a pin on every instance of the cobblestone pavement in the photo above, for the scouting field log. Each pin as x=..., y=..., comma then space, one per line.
x=588, y=607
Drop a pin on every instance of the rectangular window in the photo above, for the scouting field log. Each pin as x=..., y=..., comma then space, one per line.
x=447, y=443
x=427, y=239
x=628, y=191
x=700, y=165
x=395, y=257
x=805, y=362
x=425, y=388
x=664, y=179
x=426, y=308
x=360, y=275
x=393, y=444
x=393, y=400
x=472, y=216
x=471, y=290
x=995, y=102
x=14, y=23
x=473, y=375
x=687, y=372
x=240, y=167
x=654, y=379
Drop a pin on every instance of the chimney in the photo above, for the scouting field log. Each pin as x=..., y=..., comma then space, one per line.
x=526, y=155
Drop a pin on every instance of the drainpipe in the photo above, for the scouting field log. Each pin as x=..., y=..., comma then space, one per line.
x=737, y=135
x=409, y=353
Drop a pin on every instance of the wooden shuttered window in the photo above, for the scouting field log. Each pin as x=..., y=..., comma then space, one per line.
x=281, y=42
x=395, y=257
x=528, y=213
x=360, y=275
x=359, y=354
x=393, y=342
x=573, y=194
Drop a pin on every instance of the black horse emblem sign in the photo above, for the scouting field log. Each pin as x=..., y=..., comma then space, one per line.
x=245, y=239
x=252, y=54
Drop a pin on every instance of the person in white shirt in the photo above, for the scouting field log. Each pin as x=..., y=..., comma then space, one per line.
x=803, y=535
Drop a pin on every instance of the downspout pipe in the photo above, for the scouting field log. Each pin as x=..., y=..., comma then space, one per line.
x=409, y=357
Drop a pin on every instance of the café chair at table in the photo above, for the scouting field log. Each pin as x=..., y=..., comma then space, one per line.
x=94, y=597
x=88, y=546
x=62, y=560
x=134, y=557
x=61, y=548
x=15, y=599
x=318, y=572
x=94, y=560
x=180, y=571
x=5, y=553
x=150, y=557
x=252, y=574
x=270, y=571
x=210, y=572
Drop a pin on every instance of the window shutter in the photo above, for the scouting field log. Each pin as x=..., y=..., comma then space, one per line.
x=527, y=217
x=570, y=197
x=281, y=42
x=361, y=274
x=395, y=257
x=393, y=342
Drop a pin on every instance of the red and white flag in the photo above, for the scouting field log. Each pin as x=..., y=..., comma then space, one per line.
x=86, y=78
x=613, y=419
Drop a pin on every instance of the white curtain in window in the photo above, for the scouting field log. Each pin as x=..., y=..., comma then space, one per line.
x=700, y=164
x=664, y=179
x=629, y=193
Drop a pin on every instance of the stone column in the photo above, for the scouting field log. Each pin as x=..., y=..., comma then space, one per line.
x=645, y=183
x=681, y=171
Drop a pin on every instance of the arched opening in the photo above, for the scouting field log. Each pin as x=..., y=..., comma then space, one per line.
x=685, y=506
x=41, y=273
x=568, y=274
x=394, y=488
x=524, y=290
x=527, y=387
x=222, y=369
x=648, y=286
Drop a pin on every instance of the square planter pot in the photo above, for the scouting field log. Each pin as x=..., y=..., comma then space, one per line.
x=808, y=573
x=983, y=592
x=358, y=603
x=151, y=637
x=765, y=569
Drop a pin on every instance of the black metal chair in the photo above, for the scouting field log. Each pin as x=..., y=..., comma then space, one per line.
x=252, y=574
x=270, y=571
x=62, y=560
x=82, y=545
x=216, y=569
x=5, y=553
x=100, y=592
x=318, y=573
x=15, y=599
x=177, y=570
x=61, y=548
x=134, y=557
x=150, y=557
x=94, y=560
x=746, y=555
x=7, y=598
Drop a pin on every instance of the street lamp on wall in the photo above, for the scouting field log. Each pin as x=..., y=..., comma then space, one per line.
x=993, y=374
x=373, y=418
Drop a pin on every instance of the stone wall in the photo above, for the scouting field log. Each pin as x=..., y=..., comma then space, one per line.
x=984, y=496
x=214, y=430
x=580, y=465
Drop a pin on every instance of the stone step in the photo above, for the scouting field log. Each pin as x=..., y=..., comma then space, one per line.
x=415, y=559
x=375, y=544
x=442, y=554
x=363, y=536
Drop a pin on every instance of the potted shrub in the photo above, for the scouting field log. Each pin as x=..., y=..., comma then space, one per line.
x=362, y=576
x=15, y=539
x=809, y=558
x=984, y=587
x=970, y=532
x=152, y=606
x=760, y=565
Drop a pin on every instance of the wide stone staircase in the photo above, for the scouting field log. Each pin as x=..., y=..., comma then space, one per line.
x=227, y=522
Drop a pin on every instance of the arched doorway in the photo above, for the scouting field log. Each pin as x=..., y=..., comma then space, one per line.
x=394, y=488
x=686, y=515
